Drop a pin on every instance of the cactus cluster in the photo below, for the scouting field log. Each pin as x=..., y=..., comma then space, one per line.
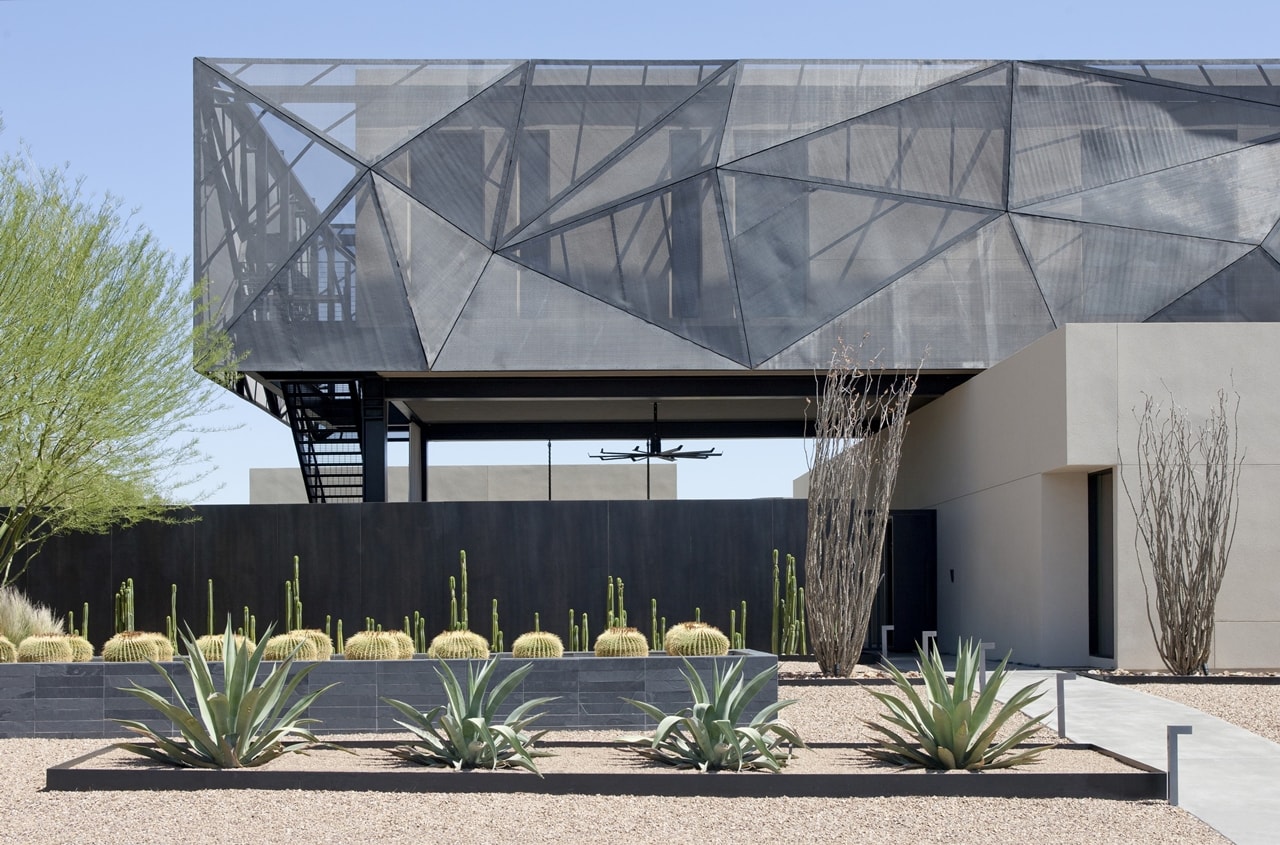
x=451, y=645
x=622, y=642
x=695, y=639
x=136, y=647
x=789, y=634
x=379, y=645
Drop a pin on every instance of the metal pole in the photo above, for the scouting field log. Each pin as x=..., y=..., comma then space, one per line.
x=548, y=470
x=884, y=640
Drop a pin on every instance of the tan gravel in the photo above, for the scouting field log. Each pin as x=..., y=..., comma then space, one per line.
x=823, y=714
x=1254, y=707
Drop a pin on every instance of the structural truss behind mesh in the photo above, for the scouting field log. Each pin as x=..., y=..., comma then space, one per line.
x=705, y=215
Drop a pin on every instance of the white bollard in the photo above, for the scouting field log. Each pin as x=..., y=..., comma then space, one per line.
x=1062, y=678
x=983, y=648
x=1174, y=731
x=884, y=641
x=928, y=637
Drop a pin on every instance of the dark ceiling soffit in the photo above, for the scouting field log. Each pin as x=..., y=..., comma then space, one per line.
x=616, y=387
x=671, y=430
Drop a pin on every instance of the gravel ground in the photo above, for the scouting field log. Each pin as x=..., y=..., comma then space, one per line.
x=823, y=714
x=1254, y=707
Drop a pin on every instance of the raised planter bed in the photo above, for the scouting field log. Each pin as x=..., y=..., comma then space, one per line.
x=104, y=770
x=81, y=699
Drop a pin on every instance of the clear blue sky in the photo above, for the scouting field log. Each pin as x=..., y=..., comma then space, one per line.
x=105, y=87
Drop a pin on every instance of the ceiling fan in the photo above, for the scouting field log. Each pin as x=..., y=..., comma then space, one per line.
x=653, y=449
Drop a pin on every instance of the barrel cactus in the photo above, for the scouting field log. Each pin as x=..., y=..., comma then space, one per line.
x=292, y=644
x=622, y=642
x=8, y=651
x=404, y=643
x=132, y=647
x=44, y=648
x=694, y=639
x=164, y=646
x=454, y=645
x=81, y=649
x=372, y=645
x=319, y=639
x=537, y=644
x=210, y=646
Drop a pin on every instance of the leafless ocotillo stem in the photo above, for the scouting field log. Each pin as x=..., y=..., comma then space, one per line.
x=857, y=444
x=1185, y=504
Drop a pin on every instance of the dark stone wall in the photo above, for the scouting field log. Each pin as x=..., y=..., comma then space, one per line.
x=387, y=560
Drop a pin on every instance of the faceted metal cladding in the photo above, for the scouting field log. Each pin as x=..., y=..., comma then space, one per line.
x=712, y=216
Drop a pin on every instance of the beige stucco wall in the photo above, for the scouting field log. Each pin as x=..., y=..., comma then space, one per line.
x=490, y=483
x=1004, y=460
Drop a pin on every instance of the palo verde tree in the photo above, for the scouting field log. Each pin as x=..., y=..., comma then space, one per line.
x=1185, y=502
x=98, y=391
x=857, y=446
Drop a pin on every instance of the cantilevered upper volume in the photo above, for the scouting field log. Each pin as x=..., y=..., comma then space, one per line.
x=429, y=220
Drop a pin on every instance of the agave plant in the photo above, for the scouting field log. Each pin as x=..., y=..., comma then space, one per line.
x=948, y=728
x=245, y=724
x=710, y=736
x=463, y=734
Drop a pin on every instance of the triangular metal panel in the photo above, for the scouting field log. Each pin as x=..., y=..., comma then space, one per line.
x=1232, y=197
x=264, y=186
x=821, y=250
x=456, y=167
x=1074, y=131
x=684, y=143
x=520, y=320
x=966, y=308
x=777, y=101
x=440, y=263
x=1258, y=80
x=368, y=107
x=339, y=304
x=1244, y=292
x=1106, y=274
x=947, y=143
x=661, y=257
x=1272, y=242
x=577, y=116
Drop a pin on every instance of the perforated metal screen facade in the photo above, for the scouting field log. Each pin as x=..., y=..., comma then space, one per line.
x=415, y=216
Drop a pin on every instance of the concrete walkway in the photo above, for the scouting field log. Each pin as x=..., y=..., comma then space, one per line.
x=1229, y=777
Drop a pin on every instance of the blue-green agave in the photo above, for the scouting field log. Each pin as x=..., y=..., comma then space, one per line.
x=463, y=733
x=242, y=725
x=710, y=734
x=948, y=728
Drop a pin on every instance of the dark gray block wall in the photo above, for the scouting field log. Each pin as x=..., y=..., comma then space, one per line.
x=81, y=699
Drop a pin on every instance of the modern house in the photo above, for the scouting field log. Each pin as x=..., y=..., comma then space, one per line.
x=435, y=250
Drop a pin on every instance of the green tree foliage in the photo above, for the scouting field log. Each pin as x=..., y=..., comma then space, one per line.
x=98, y=392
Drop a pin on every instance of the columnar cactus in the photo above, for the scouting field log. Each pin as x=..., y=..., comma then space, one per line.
x=453, y=645
x=323, y=644
x=537, y=644
x=622, y=642
x=8, y=651
x=44, y=648
x=293, y=643
x=372, y=645
x=81, y=649
x=132, y=647
x=696, y=639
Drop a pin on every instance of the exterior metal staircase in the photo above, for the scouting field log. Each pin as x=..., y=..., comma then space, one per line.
x=325, y=419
